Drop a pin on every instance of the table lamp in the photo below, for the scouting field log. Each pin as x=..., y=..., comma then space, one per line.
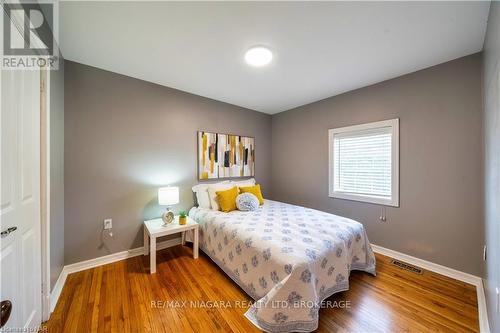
x=168, y=196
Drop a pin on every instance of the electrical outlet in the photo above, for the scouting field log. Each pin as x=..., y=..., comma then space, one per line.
x=108, y=224
x=485, y=253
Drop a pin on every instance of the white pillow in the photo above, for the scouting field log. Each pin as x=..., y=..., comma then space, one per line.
x=202, y=197
x=213, y=188
x=244, y=183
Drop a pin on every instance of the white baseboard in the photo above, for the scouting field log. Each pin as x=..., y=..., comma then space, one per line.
x=484, y=325
x=430, y=266
x=56, y=291
x=449, y=272
x=91, y=263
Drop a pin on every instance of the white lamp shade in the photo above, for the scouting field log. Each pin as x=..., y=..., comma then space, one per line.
x=168, y=196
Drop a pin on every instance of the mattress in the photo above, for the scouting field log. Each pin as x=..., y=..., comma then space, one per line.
x=287, y=258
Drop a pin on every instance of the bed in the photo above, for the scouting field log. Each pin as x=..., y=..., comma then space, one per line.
x=287, y=258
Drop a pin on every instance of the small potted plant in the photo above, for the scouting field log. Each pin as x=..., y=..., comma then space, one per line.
x=182, y=217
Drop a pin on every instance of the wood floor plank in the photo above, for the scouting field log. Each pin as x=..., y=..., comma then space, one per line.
x=124, y=297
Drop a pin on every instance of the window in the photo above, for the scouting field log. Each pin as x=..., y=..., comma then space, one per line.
x=364, y=162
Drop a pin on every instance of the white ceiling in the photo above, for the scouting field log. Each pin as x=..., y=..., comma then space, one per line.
x=320, y=49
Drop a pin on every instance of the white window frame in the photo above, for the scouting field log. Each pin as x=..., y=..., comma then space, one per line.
x=394, y=199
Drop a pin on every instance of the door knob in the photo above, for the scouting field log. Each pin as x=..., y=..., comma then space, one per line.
x=5, y=308
x=7, y=232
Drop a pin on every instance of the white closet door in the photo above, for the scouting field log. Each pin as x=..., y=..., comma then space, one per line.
x=20, y=255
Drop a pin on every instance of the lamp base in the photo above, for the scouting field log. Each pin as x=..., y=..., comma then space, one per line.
x=167, y=217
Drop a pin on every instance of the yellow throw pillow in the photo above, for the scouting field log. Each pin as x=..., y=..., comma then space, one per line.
x=255, y=190
x=227, y=199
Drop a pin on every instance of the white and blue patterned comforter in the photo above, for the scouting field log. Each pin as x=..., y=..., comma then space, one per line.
x=287, y=258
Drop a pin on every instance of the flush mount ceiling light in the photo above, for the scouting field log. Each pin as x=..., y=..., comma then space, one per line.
x=258, y=56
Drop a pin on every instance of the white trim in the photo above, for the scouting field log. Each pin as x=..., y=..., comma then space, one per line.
x=484, y=326
x=394, y=199
x=56, y=291
x=45, y=227
x=443, y=270
x=30, y=323
x=449, y=272
x=96, y=262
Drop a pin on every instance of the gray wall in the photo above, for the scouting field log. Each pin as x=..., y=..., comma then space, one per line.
x=440, y=111
x=56, y=173
x=124, y=138
x=491, y=88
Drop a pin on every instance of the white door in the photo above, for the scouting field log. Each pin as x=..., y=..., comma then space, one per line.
x=20, y=272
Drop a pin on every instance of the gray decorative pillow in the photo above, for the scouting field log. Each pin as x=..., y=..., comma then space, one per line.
x=247, y=201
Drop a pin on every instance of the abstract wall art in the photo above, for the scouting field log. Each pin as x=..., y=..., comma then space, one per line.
x=208, y=161
x=225, y=156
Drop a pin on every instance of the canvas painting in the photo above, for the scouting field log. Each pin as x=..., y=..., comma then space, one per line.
x=225, y=156
x=208, y=161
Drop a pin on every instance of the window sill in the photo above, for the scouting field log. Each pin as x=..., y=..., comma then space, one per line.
x=393, y=202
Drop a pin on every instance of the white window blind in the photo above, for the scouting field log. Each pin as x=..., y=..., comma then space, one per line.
x=363, y=159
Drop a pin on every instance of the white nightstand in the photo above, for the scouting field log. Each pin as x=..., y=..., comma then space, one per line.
x=154, y=229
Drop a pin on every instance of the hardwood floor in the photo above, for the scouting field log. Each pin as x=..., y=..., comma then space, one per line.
x=124, y=297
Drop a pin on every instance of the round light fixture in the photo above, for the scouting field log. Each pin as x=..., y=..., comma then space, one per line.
x=258, y=56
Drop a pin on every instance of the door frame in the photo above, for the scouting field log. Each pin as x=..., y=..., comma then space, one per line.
x=45, y=189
